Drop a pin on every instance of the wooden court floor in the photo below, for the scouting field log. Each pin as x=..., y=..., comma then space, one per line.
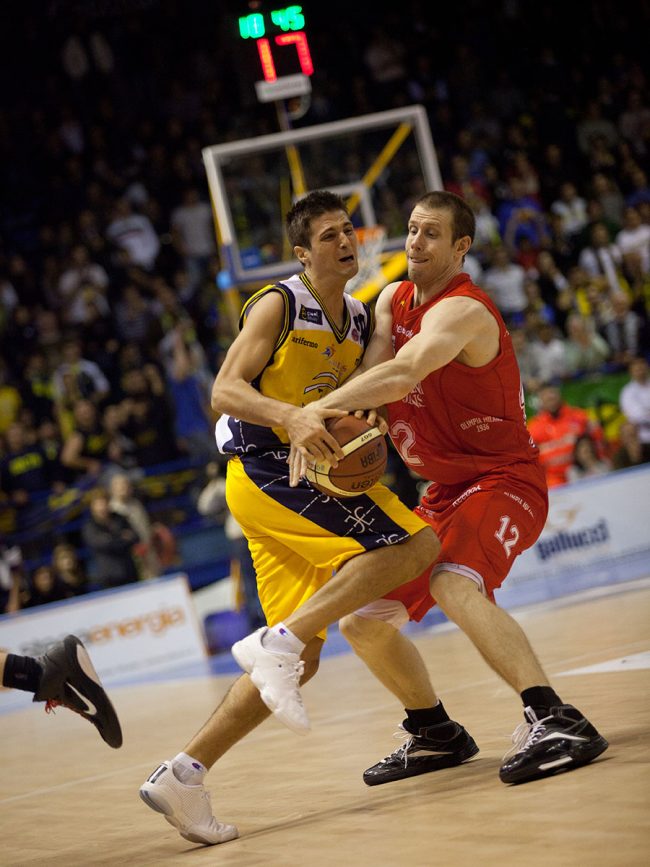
x=67, y=799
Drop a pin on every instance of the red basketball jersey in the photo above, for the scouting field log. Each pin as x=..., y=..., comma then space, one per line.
x=459, y=422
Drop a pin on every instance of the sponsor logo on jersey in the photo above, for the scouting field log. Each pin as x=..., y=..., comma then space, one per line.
x=415, y=397
x=325, y=381
x=407, y=332
x=479, y=423
x=304, y=342
x=467, y=493
x=524, y=505
x=328, y=352
x=310, y=314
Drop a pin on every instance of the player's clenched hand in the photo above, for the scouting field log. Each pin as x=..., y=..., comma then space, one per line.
x=308, y=434
x=373, y=418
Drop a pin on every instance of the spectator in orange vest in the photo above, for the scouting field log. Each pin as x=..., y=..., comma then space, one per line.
x=555, y=429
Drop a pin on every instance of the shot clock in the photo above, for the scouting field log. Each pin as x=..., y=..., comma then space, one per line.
x=280, y=40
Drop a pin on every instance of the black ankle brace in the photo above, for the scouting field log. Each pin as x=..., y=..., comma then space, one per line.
x=21, y=672
x=541, y=699
x=421, y=718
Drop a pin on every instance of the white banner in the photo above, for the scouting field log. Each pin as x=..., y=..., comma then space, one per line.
x=597, y=531
x=142, y=628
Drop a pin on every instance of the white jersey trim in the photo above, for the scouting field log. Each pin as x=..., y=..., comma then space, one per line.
x=389, y=610
x=461, y=570
x=222, y=432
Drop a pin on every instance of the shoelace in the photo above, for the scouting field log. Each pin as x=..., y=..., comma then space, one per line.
x=51, y=704
x=205, y=796
x=401, y=753
x=527, y=734
x=293, y=672
x=216, y=825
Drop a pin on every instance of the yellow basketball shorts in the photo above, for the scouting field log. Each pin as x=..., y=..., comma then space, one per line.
x=299, y=537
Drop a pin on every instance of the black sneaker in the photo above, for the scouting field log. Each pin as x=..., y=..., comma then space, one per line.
x=70, y=680
x=561, y=741
x=435, y=747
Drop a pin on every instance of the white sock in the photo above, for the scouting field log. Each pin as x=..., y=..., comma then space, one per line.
x=188, y=770
x=279, y=639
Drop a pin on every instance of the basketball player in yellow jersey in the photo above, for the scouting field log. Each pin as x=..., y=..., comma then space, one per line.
x=298, y=340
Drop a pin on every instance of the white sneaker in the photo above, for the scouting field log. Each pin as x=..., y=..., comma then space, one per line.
x=277, y=676
x=187, y=808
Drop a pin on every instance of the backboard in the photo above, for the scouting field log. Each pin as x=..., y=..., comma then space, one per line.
x=380, y=163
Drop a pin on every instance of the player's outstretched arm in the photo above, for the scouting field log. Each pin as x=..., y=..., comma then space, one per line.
x=447, y=329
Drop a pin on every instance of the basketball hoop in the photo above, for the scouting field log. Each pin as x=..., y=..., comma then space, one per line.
x=371, y=243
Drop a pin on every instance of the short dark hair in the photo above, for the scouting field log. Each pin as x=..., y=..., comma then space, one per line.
x=299, y=217
x=463, y=220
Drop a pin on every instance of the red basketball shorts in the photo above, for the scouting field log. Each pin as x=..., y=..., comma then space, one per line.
x=482, y=526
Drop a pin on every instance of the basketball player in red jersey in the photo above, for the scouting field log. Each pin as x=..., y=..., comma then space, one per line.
x=443, y=364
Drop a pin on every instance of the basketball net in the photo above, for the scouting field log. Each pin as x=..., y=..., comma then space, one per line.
x=371, y=243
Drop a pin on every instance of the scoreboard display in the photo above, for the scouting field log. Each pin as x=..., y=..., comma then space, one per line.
x=279, y=39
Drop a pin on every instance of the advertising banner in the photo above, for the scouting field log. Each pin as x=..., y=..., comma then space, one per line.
x=143, y=628
x=597, y=532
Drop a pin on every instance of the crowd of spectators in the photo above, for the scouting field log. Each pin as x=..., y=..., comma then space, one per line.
x=111, y=321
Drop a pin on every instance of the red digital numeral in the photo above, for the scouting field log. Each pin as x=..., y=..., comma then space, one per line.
x=266, y=59
x=298, y=39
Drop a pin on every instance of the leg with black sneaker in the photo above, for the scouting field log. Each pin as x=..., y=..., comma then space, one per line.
x=65, y=676
x=431, y=740
x=556, y=736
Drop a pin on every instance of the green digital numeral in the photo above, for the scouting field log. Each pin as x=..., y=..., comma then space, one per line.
x=290, y=18
x=252, y=26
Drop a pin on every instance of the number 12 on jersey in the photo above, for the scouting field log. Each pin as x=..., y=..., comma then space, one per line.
x=507, y=528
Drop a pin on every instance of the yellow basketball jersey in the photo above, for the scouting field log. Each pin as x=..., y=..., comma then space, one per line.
x=312, y=356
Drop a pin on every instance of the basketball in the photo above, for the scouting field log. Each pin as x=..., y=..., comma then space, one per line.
x=364, y=462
